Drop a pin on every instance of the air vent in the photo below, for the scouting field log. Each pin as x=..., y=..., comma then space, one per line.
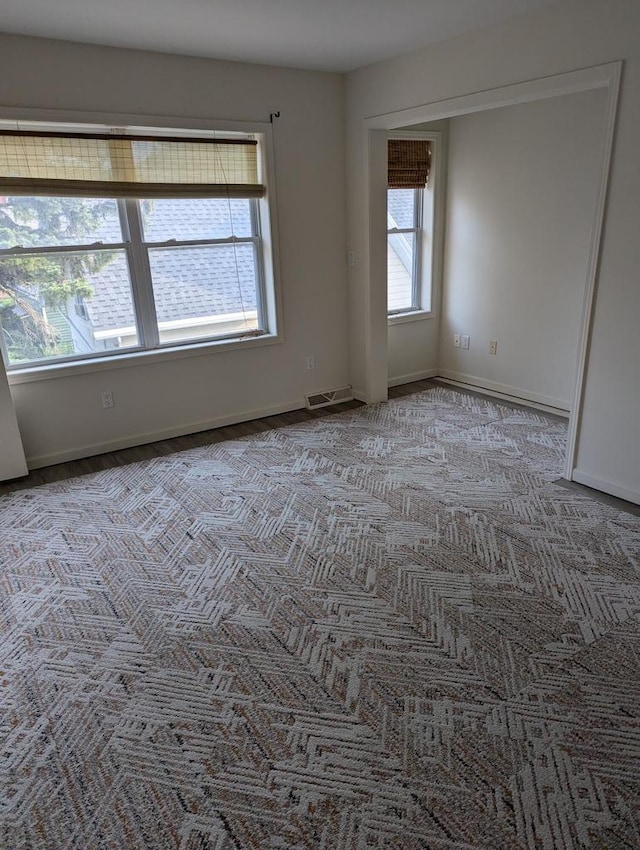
x=329, y=397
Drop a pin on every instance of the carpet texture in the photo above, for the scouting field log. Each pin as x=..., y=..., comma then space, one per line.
x=387, y=628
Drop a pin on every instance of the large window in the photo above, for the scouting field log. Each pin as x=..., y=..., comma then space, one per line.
x=82, y=276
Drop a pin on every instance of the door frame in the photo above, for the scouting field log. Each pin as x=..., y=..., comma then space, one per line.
x=600, y=77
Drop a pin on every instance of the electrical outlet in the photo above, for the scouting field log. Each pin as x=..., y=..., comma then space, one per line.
x=465, y=341
x=311, y=362
x=351, y=258
x=493, y=346
x=456, y=340
x=107, y=399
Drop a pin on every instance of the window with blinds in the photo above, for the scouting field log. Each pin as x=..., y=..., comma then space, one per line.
x=408, y=175
x=113, y=242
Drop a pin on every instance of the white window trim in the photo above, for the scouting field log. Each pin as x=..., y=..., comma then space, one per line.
x=137, y=358
x=417, y=229
x=270, y=285
x=433, y=213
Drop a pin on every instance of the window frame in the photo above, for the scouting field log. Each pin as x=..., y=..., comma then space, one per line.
x=416, y=266
x=264, y=238
x=428, y=281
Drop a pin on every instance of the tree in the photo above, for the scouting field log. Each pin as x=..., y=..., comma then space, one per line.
x=34, y=286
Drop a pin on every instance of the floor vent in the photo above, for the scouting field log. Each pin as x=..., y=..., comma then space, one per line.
x=329, y=397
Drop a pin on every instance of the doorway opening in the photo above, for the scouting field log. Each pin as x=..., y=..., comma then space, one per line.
x=471, y=313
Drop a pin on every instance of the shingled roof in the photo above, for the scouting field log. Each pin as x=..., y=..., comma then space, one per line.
x=188, y=281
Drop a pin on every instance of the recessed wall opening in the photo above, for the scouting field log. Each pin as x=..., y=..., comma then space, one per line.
x=519, y=185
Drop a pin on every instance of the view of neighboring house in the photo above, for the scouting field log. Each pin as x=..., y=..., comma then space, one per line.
x=400, y=255
x=200, y=290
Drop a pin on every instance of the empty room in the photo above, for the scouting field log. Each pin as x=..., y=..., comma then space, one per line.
x=319, y=425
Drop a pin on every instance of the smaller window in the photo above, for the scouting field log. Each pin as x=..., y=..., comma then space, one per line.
x=410, y=206
x=404, y=249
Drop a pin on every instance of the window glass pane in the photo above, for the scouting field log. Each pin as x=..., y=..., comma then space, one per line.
x=195, y=218
x=60, y=305
x=204, y=292
x=400, y=208
x=400, y=254
x=44, y=222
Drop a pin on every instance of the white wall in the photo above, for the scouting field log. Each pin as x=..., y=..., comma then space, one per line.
x=413, y=351
x=12, y=460
x=561, y=37
x=521, y=204
x=62, y=417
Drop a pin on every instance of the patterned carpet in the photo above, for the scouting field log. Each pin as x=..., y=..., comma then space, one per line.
x=387, y=628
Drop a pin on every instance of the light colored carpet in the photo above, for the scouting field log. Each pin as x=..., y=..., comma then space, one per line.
x=382, y=629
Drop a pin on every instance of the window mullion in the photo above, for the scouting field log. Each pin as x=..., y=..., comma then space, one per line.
x=392, y=231
x=94, y=247
x=417, y=257
x=142, y=289
x=257, y=254
x=197, y=243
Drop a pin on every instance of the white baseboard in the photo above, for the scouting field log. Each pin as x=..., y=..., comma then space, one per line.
x=53, y=458
x=514, y=394
x=39, y=461
x=413, y=376
x=609, y=487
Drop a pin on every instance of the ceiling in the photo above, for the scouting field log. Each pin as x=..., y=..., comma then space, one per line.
x=331, y=35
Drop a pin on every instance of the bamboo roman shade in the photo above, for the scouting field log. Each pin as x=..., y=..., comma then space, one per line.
x=105, y=165
x=409, y=163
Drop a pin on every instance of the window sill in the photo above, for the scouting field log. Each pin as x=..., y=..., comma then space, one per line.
x=52, y=371
x=412, y=316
